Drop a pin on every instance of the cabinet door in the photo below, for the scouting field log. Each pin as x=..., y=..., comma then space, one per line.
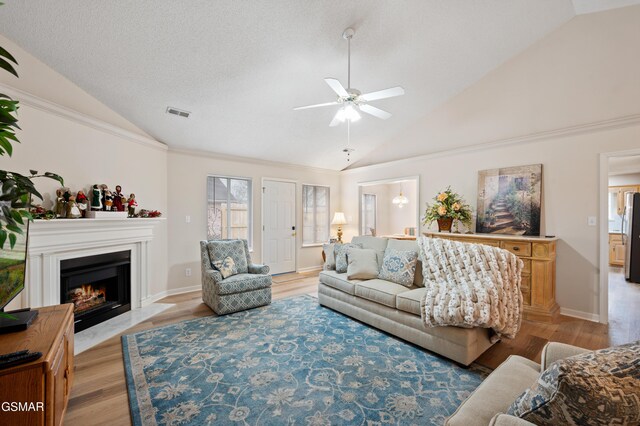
x=620, y=250
x=58, y=372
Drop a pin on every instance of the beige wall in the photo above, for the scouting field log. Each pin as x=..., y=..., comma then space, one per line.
x=562, y=102
x=187, y=194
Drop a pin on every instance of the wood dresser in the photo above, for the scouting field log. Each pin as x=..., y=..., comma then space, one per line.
x=47, y=379
x=538, y=274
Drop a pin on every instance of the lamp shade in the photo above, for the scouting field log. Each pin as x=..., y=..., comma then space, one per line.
x=339, y=219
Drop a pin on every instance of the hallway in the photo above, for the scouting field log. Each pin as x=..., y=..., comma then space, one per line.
x=624, y=308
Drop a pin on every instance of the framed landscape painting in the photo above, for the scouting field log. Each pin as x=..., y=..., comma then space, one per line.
x=510, y=200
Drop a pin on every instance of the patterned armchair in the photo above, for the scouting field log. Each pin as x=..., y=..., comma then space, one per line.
x=250, y=288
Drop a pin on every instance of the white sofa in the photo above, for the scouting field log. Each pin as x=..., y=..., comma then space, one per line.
x=396, y=309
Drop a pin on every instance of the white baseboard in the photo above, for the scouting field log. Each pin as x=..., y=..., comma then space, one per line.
x=310, y=269
x=154, y=298
x=580, y=314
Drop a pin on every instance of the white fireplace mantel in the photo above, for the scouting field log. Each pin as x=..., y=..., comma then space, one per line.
x=51, y=241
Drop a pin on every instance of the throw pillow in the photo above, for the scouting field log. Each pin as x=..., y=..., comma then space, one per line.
x=363, y=264
x=220, y=249
x=341, y=256
x=227, y=267
x=330, y=257
x=599, y=387
x=399, y=266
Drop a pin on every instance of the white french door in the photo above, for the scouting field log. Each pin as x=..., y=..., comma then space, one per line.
x=279, y=225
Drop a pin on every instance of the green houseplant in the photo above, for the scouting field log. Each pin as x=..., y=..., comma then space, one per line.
x=449, y=207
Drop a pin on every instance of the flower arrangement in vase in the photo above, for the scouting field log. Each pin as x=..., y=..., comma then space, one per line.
x=449, y=207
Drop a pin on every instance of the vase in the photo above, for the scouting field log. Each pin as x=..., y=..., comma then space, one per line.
x=444, y=225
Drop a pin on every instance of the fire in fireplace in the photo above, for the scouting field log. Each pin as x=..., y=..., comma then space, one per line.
x=98, y=286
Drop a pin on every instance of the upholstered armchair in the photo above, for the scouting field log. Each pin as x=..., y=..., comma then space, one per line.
x=249, y=288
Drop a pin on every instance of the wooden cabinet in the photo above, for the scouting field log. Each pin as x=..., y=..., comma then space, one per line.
x=538, y=274
x=616, y=250
x=47, y=381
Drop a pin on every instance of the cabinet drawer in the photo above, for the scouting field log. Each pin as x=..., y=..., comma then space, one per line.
x=517, y=248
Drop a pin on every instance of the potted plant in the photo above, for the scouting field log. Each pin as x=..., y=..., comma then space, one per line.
x=449, y=207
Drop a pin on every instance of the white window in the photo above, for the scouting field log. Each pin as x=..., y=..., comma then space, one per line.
x=229, y=208
x=315, y=214
x=368, y=214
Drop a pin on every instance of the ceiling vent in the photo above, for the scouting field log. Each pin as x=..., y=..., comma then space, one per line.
x=178, y=112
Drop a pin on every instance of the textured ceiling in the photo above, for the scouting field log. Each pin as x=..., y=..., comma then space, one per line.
x=241, y=66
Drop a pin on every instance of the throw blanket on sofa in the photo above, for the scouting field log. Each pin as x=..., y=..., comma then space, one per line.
x=471, y=285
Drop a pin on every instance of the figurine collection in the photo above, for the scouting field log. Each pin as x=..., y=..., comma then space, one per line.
x=100, y=198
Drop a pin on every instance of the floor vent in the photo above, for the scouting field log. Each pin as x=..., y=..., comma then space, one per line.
x=178, y=112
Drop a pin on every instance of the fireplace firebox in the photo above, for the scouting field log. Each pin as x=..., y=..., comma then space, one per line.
x=98, y=286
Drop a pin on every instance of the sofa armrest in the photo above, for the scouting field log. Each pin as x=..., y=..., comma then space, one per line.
x=255, y=268
x=554, y=351
x=507, y=420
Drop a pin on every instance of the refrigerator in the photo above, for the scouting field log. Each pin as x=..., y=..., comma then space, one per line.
x=631, y=236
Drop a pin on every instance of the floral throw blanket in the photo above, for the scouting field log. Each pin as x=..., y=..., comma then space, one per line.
x=471, y=285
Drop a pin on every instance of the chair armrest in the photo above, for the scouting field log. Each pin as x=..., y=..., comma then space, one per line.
x=211, y=276
x=554, y=351
x=258, y=269
x=507, y=420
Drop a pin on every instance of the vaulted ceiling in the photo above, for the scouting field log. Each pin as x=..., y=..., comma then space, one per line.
x=241, y=66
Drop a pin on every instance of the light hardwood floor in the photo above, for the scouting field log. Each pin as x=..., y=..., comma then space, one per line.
x=99, y=395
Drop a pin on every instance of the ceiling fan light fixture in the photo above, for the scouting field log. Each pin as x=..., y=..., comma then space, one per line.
x=351, y=113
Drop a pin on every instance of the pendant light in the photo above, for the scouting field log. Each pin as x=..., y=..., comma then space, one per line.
x=400, y=200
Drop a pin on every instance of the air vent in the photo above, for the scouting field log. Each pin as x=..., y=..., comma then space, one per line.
x=178, y=112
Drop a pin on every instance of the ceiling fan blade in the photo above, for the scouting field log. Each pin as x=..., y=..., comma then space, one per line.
x=376, y=112
x=337, y=87
x=383, y=94
x=315, y=106
x=336, y=119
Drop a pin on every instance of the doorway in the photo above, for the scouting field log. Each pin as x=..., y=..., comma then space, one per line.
x=279, y=225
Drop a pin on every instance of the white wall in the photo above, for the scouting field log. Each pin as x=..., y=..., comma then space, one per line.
x=624, y=179
x=84, y=146
x=562, y=102
x=405, y=217
x=187, y=191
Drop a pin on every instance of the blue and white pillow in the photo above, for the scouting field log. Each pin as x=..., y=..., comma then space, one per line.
x=341, y=256
x=399, y=266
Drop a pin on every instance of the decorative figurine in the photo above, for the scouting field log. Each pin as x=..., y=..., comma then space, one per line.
x=73, y=212
x=108, y=200
x=119, y=199
x=96, y=198
x=131, y=205
x=61, y=202
x=82, y=202
x=104, y=189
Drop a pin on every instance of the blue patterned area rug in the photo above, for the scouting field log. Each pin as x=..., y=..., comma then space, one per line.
x=293, y=362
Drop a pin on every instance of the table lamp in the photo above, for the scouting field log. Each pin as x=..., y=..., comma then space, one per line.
x=339, y=219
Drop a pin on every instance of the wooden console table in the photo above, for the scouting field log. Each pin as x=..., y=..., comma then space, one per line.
x=46, y=380
x=538, y=274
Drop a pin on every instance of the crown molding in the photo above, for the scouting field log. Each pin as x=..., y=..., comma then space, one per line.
x=227, y=157
x=595, y=126
x=41, y=104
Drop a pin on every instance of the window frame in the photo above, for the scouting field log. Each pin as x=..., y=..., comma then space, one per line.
x=249, y=210
x=302, y=207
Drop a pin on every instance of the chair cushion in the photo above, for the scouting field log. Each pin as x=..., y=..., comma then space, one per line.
x=227, y=267
x=363, y=264
x=399, y=266
x=380, y=291
x=339, y=282
x=330, y=256
x=409, y=301
x=220, y=249
x=598, y=387
x=243, y=282
x=341, y=256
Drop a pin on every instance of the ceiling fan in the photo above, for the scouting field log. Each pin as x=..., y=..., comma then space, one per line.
x=352, y=100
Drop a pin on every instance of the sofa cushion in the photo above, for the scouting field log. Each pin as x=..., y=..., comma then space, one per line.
x=341, y=256
x=399, y=266
x=339, y=281
x=227, y=267
x=243, y=282
x=363, y=264
x=409, y=301
x=220, y=249
x=409, y=245
x=495, y=394
x=598, y=387
x=378, y=244
x=380, y=291
x=330, y=257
